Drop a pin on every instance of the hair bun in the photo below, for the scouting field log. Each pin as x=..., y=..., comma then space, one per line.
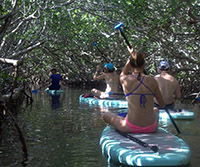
x=137, y=59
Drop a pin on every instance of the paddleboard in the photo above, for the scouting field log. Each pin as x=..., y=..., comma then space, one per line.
x=103, y=102
x=54, y=91
x=122, y=103
x=172, y=150
x=176, y=114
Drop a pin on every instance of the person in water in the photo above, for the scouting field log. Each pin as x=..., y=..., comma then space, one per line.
x=168, y=85
x=139, y=90
x=55, y=80
x=111, y=78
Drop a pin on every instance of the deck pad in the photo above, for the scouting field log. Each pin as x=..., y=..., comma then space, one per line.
x=173, y=151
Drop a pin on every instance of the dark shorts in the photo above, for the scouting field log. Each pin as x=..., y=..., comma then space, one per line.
x=54, y=87
x=168, y=106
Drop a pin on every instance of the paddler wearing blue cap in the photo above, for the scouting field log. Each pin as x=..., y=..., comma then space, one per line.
x=111, y=78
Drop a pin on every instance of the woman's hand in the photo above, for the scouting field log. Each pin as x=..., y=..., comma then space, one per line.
x=128, y=62
x=131, y=50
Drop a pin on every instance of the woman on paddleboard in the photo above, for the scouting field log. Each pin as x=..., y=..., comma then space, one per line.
x=111, y=78
x=139, y=90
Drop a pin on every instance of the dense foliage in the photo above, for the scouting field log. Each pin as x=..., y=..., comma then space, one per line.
x=61, y=34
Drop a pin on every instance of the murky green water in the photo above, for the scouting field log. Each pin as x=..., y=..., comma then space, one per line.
x=66, y=134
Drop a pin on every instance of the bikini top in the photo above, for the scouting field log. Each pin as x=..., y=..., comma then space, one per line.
x=143, y=99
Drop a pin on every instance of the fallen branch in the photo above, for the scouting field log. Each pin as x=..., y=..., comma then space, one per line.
x=11, y=61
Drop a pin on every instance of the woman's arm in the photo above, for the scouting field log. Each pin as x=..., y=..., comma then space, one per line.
x=98, y=76
x=126, y=68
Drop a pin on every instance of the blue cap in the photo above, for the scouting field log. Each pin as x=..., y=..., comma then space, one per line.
x=110, y=66
x=163, y=65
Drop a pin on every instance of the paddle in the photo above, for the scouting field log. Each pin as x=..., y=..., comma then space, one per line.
x=140, y=142
x=104, y=55
x=36, y=90
x=118, y=26
x=112, y=93
x=173, y=122
x=154, y=148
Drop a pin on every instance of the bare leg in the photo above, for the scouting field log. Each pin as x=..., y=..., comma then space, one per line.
x=96, y=93
x=116, y=121
x=156, y=111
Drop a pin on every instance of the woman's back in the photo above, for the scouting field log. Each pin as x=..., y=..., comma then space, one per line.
x=112, y=82
x=140, y=96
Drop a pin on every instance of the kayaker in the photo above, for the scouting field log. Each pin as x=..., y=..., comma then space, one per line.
x=111, y=78
x=168, y=85
x=140, y=90
x=55, y=80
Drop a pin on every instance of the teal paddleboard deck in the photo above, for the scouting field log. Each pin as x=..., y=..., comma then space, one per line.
x=172, y=150
x=176, y=114
x=103, y=102
x=54, y=91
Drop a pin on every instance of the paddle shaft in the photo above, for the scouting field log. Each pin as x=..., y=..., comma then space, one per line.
x=140, y=142
x=173, y=122
x=126, y=40
x=103, y=54
x=100, y=51
x=47, y=83
x=118, y=26
x=38, y=88
x=111, y=93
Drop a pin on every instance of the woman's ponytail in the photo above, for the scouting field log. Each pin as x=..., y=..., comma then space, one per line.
x=137, y=60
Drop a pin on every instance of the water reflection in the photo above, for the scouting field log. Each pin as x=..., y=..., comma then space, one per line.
x=55, y=101
x=70, y=136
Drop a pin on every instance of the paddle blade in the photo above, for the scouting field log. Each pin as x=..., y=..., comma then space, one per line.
x=118, y=26
x=123, y=114
x=34, y=91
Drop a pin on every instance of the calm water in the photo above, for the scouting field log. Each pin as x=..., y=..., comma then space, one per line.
x=66, y=134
